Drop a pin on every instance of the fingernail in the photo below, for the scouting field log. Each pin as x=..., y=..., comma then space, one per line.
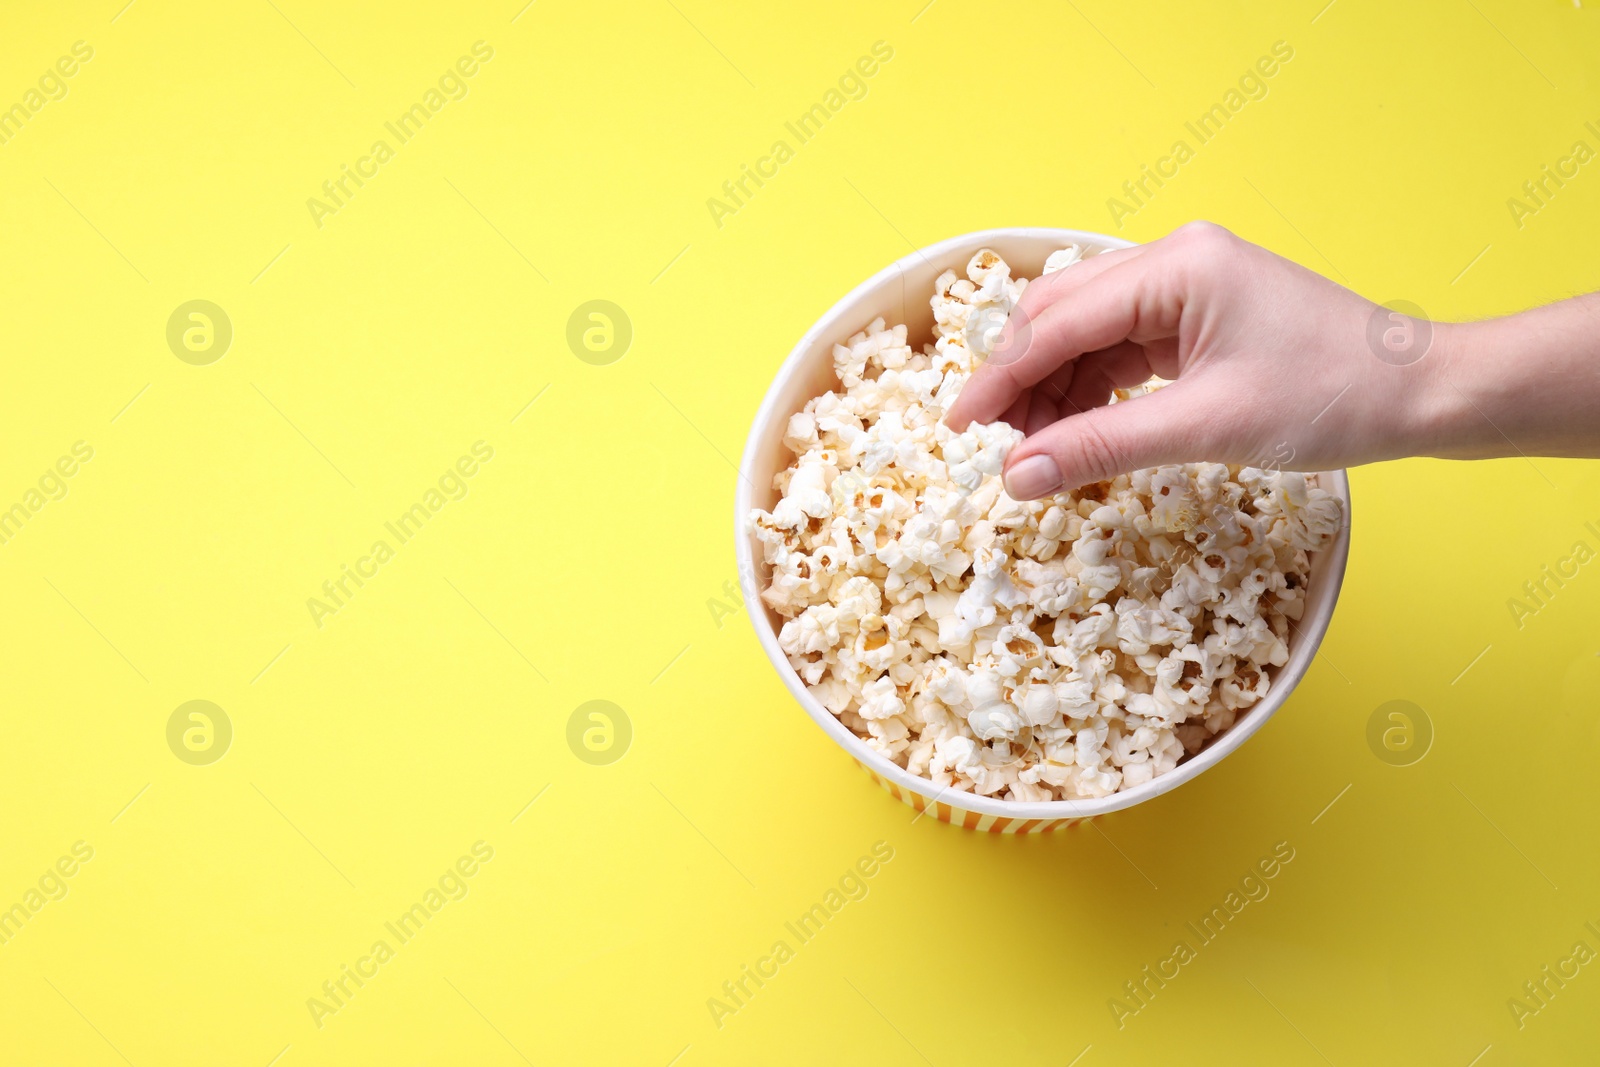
x=1033, y=478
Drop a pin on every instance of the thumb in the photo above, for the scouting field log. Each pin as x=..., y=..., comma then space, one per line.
x=1096, y=445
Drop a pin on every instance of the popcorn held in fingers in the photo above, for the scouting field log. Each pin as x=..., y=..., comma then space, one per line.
x=1029, y=650
x=1062, y=259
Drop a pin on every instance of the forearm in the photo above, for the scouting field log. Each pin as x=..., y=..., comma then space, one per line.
x=1528, y=384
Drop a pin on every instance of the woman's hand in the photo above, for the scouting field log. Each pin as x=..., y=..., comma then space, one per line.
x=1273, y=365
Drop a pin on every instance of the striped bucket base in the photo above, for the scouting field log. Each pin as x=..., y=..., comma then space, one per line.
x=972, y=820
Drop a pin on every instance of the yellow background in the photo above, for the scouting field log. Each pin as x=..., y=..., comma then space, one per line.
x=370, y=753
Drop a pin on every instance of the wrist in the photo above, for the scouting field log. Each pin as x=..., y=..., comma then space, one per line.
x=1526, y=384
x=1445, y=413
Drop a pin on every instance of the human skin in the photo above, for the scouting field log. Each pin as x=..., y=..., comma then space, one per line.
x=1272, y=364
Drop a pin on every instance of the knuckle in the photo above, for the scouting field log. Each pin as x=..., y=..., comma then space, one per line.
x=1205, y=236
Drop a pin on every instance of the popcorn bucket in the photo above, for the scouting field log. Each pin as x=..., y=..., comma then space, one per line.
x=898, y=293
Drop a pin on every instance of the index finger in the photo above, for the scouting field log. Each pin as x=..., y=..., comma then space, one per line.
x=1093, y=314
x=1048, y=288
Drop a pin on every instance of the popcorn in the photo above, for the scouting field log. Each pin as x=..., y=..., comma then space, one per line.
x=979, y=453
x=1063, y=259
x=807, y=495
x=1030, y=650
